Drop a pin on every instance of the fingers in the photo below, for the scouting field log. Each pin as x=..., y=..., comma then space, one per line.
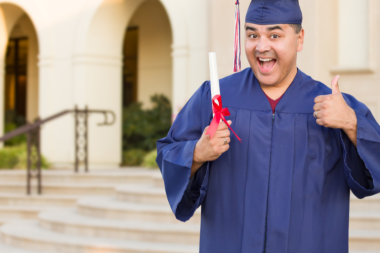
x=223, y=125
x=222, y=133
x=317, y=107
x=317, y=114
x=221, y=141
x=319, y=99
x=224, y=148
x=222, y=130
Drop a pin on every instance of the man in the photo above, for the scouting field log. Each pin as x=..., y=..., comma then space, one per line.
x=286, y=187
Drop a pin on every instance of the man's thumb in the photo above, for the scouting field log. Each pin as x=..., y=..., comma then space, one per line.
x=205, y=131
x=335, y=86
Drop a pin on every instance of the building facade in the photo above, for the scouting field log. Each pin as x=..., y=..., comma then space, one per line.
x=55, y=54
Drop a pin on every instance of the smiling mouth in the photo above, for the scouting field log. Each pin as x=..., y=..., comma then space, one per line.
x=266, y=64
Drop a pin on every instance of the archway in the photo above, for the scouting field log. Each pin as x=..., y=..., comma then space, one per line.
x=98, y=65
x=147, y=79
x=19, y=80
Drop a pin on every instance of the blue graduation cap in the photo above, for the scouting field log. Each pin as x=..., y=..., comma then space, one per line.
x=269, y=12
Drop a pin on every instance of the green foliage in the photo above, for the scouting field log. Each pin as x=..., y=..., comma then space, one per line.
x=17, y=140
x=142, y=128
x=13, y=120
x=133, y=157
x=150, y=159
x=15, y=157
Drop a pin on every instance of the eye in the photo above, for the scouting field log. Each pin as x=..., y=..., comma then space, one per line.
x=253, y=36
x=274, y=36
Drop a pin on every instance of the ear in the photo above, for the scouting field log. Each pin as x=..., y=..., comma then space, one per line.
x=300, y=40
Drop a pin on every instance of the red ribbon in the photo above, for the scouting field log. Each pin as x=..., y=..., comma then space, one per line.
x=220, y=113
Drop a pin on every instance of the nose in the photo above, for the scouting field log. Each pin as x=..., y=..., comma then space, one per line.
x=263, y=45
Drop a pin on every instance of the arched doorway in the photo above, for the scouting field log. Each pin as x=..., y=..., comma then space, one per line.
x=147, y=72
x=20, y=77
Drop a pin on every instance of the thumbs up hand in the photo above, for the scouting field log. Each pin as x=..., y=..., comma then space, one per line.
x=332, y=110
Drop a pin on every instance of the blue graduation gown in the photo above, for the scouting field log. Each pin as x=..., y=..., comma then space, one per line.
x=286, y=187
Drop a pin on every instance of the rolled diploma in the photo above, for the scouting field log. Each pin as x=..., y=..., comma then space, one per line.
x=214, y=79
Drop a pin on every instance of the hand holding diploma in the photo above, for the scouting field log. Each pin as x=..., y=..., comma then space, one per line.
x=216, y=137
x=208, y=149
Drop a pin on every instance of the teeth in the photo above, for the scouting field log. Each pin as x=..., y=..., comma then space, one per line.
x=265, y=59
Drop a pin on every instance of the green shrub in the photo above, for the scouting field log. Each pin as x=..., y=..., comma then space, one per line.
x=133, y=157
x=17, y=140
x=15, y=157
x=142, y=128
x=150, y=159
x=13, y=120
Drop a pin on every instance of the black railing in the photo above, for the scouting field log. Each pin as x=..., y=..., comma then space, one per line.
x=33, y=133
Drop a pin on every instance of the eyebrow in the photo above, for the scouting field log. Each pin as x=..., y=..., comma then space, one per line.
x=250, y=28
x=272, y=28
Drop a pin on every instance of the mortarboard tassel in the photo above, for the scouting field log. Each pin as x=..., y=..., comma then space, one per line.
x=237, y=46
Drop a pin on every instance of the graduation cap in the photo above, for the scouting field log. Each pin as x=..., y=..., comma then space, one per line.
x=269, y=12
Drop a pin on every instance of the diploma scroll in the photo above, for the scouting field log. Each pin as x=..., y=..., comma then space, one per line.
x=219, y=112
x=214, y=79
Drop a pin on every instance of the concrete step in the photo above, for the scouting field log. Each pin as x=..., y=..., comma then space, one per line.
x=119, y=176
x=365, y=221
x=364, y=240
x=6, y=220
x=61, y=188
x=8, y=249
x=70, y=222
x=158, y=182
x=355, y=251
x=369, y=204
x=21, y=212
x=28, y=235
x=38, y=200
x=142, y=194
x=111, y=208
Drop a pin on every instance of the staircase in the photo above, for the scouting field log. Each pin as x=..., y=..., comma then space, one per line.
x=365, y=225
x=123, y=211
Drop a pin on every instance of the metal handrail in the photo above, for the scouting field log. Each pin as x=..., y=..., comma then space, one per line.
x=32, y=130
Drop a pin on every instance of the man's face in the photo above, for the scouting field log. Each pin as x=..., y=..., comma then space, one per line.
x=272, y=51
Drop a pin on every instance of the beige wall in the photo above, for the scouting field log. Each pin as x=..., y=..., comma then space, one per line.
x=221, y=35
x=154, y=51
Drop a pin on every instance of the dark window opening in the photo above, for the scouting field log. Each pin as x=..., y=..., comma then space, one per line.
x=130, y=61
x=16, y=82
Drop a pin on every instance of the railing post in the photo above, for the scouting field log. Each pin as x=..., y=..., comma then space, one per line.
x=86, y=138
x=81, y=138
x=34, y=159
x=76, y=125
x=28, y=173
x=39, y=162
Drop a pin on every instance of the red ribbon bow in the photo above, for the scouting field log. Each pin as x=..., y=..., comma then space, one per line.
x=220, y=113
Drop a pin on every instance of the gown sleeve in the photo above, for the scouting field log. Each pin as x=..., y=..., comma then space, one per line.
x=362, y=163
x=175, y=155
